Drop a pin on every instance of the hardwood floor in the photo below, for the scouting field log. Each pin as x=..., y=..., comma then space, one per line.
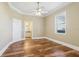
x=39, y=48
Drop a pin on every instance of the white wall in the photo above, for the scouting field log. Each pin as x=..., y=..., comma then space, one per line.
x=5, y=26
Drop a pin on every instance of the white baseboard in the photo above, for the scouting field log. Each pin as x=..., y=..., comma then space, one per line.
x=59, y=42
x=18, y=40
x=38, y=37
x=3, y=50
x=64, y=43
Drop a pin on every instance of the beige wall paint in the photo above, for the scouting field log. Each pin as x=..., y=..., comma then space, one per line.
x=6, y=16
x=37, y=25
x=72, y=19
x=41, y=26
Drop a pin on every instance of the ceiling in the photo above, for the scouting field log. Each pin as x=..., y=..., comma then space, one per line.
x=27, y=8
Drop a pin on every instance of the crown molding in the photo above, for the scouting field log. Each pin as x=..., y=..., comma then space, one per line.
x=49, y=13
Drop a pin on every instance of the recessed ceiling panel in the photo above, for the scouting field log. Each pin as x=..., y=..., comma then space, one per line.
x=28, y=8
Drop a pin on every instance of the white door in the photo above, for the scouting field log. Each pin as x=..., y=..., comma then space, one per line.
x=17, y=30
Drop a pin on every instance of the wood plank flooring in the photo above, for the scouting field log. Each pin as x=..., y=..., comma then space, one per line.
x=39, y=48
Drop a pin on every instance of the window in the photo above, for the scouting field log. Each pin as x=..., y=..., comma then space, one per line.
x=60, y=23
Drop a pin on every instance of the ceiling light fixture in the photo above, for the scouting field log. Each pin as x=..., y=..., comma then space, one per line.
x=39, y=11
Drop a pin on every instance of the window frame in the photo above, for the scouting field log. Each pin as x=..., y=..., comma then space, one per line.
x=63, y=13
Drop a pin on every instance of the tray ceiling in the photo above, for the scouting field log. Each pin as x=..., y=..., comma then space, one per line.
x=27, y=8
